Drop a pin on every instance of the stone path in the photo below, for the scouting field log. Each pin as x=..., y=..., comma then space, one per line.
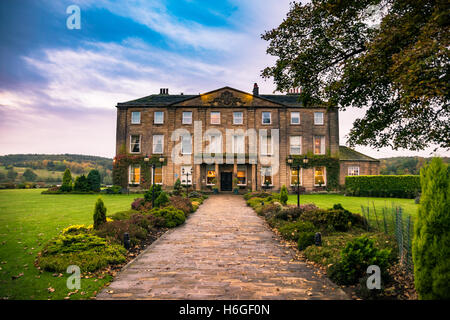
x=223, y=251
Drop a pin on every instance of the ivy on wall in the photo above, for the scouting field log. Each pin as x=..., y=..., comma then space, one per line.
x=123, y=161
x=331, y=164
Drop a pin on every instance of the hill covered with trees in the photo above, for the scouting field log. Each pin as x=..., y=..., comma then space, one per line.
x=405, y=165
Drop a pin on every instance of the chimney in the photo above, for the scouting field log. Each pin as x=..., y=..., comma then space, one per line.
x=164, y=91
x=255, y=89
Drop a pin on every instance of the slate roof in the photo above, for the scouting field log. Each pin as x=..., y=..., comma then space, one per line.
x=347, y=154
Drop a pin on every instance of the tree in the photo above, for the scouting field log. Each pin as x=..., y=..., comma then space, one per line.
x=29, y=175
x=67, y=181
x=11, y=174
x=431, y=243
x=99, y=213
x=389, y=56
x=284, y=195
x=93, y=179
x=2, y=176
x=81, y=184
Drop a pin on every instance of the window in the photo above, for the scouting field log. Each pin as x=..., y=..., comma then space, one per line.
x=186, y=144
x=211, y=175
x=295, y=175
x=238, y=117
x=159, y=117
x=266, y=175
x=135, y=144
x=158, y=175
x=266, y=118
x=319, y=176
x=318, y=117
x=241, y=175
x=215, y=144
x=353, y=171
x=319, y=144
x=265, y=145
x=295, y=117
x=186, y=175
x=238, y=145
x=215, y=117
x=134, y=174
x=135, y=117
x=158, y=143
x=187, y=117
x=296, y=144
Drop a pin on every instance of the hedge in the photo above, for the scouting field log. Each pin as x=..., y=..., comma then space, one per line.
x=394, y=186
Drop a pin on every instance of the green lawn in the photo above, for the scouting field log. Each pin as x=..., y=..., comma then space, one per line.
x=27, y=221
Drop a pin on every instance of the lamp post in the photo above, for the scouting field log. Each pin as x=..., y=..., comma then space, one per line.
x=297, y=167
x=186, y=172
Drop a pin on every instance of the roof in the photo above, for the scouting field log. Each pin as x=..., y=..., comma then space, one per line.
x=347, y=154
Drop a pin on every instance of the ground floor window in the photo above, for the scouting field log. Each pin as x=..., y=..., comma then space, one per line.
x=211, y=175
x=242, y=175
x=158, y=175
x=186, y=175
x=319, y=176
x=134, y=175
x=266, y=174
x=353, y=171
x=294, y=176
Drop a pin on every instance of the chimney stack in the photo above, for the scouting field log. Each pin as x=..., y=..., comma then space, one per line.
x=255, y=89
x=164, y=91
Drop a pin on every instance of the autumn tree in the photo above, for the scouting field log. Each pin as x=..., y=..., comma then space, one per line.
x=389, y=56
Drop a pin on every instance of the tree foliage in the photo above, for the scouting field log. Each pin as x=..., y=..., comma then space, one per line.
x=431, y=244
x=391, y=56
x=29, y=175
x=66, y=181
x=93, y=180
x=99, y=213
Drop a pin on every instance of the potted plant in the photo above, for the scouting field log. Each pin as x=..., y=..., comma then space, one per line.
x=236, y=188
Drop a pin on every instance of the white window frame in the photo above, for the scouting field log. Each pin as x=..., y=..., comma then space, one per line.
x=162, y=175
x=298, y=113
x=299, y=145
x=245, y=176
x=290, y=176
x=217, y=146
x=131, y=144
x=317, y=123
x=134, y=112
x=154, y=117
x=162, y=144
x=235, y=145
x=183, y=176
x=270, y=117
x=263, y=175
x=324, y=176
x=211, y=117
x=182, y=144
x=130, y=167
x=236, y=118
x=265, y=146
x=322, y=144
x=183, y=119
x=352, y=168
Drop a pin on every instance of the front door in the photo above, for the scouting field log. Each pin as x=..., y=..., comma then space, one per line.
x=226, y=181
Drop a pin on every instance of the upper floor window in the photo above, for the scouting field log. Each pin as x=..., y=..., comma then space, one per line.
x=238, y=117
x=186, y=144
x=158, y=143
x=159, y=117
x=187, y=117
x=215, y=143
x=296, y=144
x=353, y=171
x=135, y=117
x=135, y=144
x=238, y=144
x=318, y=117
x=266, y=117
x=266, y=145
x=215, y=117
x=295, y=117
x=319, y=145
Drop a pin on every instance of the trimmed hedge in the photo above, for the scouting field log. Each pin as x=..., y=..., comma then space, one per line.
x=393, y=186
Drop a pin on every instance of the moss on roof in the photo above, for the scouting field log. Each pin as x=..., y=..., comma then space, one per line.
x=345, y=153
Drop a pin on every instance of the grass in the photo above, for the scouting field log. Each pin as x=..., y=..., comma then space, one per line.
x=27, y=221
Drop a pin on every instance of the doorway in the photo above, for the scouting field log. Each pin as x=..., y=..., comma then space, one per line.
x=226, y=181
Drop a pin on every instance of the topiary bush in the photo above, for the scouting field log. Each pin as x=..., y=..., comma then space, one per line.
x=172, y=216
x=305, y=239
x=66, y=185
x=291, y=230
x=431, y=244
x=284, y=195
x=99, y=213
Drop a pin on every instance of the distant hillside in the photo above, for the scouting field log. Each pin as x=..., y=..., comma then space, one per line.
x=50, y=167
x=404, y=165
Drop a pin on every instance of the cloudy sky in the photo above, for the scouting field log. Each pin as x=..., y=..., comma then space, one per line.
x=59, y=87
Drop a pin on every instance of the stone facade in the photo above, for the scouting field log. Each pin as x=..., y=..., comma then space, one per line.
x=227, y=101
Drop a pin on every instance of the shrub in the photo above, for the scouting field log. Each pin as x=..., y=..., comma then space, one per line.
x=66, y=181
x=291, y=230
x=93, y=180
x=99, y=213
x=77, y=229
x=182, y=204
x=198, y=200
x=81, y=184
x=355, y=258
x=293, y=213
x=162, y=200
x=254, y=202
x=329, y=220
x=113, y=190
x=284, y=195
x=256, y=194
x=305, y=239
x=123, y=215
x=269, y=210
x=431, y=244
x=137, y=204
x=195, y=194
x=114, y=231
x=148, y=194
x=172, y=216
x=177, y=187
x=400, y=186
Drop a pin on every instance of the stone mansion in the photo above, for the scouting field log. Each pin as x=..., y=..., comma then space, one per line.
x=276, y=127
